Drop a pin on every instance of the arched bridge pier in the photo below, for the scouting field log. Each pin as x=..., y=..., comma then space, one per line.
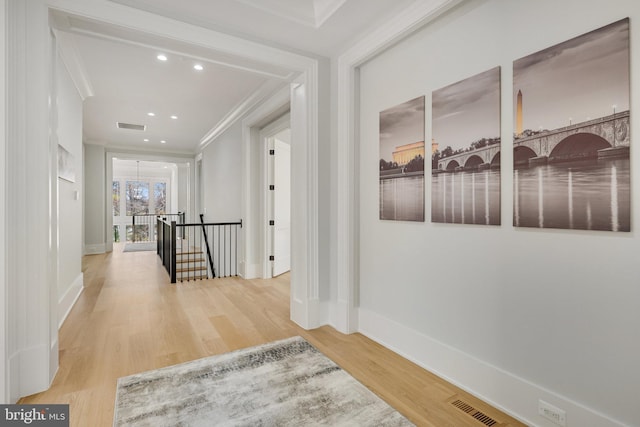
x=600, y=138
x=478, y=159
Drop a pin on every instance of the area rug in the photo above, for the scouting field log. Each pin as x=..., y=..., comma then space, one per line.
x=284, y=383
x=140, y=247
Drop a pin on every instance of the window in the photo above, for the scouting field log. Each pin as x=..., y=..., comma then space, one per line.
x=141, y=233
x=137, y=197
x=160, y=197
x=116, y=198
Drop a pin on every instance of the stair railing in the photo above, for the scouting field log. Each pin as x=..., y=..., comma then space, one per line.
x=206, y=243
x=144, y=227
x=166, y=245
x=181, y=248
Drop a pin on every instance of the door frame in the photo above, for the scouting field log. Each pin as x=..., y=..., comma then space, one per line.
x=110, y=155
x=266, y=135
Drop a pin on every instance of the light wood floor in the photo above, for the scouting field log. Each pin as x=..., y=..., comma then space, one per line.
x=130, y=319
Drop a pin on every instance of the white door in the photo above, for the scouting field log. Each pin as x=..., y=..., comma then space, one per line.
x=282, y=208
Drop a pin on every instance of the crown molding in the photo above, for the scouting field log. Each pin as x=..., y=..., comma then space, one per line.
x=73, y=61
x=141, y=22
x=324, y=9
x=239, y=111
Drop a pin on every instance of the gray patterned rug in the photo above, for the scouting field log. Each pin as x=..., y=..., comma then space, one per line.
x=284, y=383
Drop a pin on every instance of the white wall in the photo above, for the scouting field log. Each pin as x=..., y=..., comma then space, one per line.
x=325, y=174
x=94, y=199
x=222, y=176
x=186, y=194
x=510, y=314
x=4, y=392
x=31, y=344
x=70, y=245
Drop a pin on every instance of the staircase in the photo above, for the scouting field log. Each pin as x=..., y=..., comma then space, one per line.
x=181, y=248
x=190, y=263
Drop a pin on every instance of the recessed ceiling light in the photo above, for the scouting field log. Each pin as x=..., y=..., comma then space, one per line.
x=163, y=142
x=162, y=57
x=151, y=114
x=146, y=140
x=198, y=67
x=174, y=117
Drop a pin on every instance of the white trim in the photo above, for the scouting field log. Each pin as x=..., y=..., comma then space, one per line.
x=68, y=300
x=153, y=24
x=53, y=257
x=304, y=219
x=249, y=271
x=344, y=316
x=238, y=111
x=313, y=15
x=30, y=186
x=28, y=371
x=304, y=301
x=250, y=137
x=4, y=392
x=268, y=132
x=140, y=150
x=325, y=9
x=74, y=64
x=95, y=249
x=499, y=388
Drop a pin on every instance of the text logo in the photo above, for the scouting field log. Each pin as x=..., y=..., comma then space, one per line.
x=34, y=415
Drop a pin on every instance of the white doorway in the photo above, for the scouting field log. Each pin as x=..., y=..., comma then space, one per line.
x=142, y=188
x=281, y=229
x=276, y=210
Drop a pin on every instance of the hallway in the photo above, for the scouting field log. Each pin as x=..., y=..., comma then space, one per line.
x=130, y=319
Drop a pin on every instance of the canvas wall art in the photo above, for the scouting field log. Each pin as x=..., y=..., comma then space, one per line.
x=402, y=162
x=465, y=151
x=571, y=133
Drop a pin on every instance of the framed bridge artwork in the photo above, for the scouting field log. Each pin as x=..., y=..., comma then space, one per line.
x=571, y=133
x=402, y=162
x=465, y=151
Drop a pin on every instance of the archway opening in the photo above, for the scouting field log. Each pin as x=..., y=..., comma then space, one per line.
x=452, y=165
x=579, y=146
x=521, y=156
x=473, y=162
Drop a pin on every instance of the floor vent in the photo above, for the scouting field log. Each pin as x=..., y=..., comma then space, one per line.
x=483, y=418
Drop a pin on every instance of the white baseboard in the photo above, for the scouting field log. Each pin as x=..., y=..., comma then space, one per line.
x=27, y=368
x=13, y=375
x=250, y=271
x=343, y=317
x=503, y=390
x=54, y=360
x=99, y=248
x=66, y=301
x=309, y=315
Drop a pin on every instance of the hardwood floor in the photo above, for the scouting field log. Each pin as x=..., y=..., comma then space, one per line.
x=130, y=319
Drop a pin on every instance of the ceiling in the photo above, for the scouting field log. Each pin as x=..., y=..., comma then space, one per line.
x=321, y=27
x=122, y=79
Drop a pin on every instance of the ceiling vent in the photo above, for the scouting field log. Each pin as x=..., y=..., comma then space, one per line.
x=130, y=126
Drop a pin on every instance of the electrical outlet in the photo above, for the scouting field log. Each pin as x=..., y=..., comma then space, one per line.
x=550, y=412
